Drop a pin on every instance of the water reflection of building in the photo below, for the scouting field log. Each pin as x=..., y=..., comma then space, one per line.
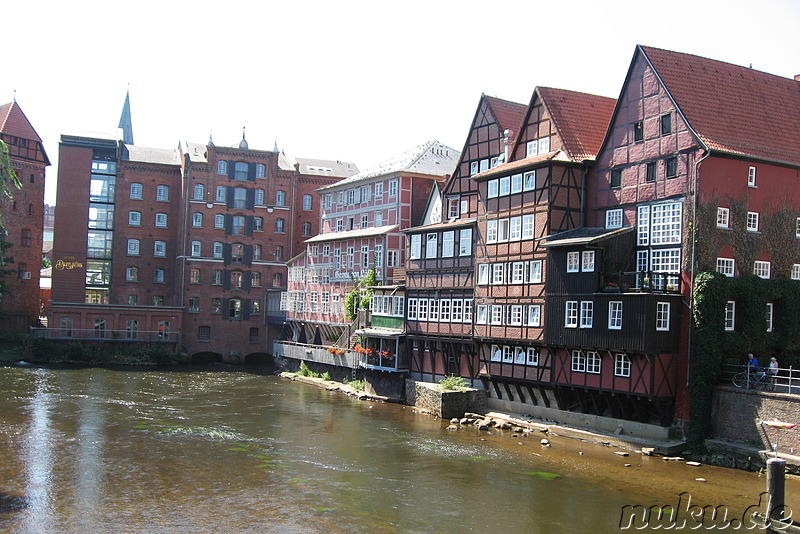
x=22, y=220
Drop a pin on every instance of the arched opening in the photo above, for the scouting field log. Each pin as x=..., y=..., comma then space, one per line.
x=206, y=357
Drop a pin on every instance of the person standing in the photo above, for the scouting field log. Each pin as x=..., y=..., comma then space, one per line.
x=773, y=372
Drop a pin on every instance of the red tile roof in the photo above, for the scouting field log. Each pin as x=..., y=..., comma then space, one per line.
x=509, y=114
x=581, y=120
x=733, y=109
x=14, y=122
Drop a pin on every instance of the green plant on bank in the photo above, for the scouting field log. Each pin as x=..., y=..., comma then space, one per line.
x=357, y=385
x=326, y=375
x=453, y=383
x=305, y=371
x=359, y=295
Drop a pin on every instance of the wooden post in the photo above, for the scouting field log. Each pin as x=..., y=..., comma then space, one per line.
x=776, y=490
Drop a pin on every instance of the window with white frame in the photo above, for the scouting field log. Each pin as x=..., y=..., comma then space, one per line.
x=614, y=218
x=516, y=183
x=444, y=310
x=527, y=226
x=726, y=266
x=665, y=223
x=493, y=188
x=578, y=361
x=587, y=261
x=519, y=355
x=467, y=310
x=483, y=273
x=508, y=354
x=199, y=192
x=573, y=262
x=308, y=202
x=221, y=193
x=593, y=362
x=197, y=220
x=134, y=218
x=481, y=314
x=534, y=315
x=497, y=314
x=622, y=365
x=544, y=145
x=133, y=247
x=515, y=316
x=531, y=149
x=412, y=309
x=422, y=309
x=752, y=221
x=797, y=228
x=532, y=356
x=496, y=353
x=723, y=217
x=615, y=315
x=416, y=246
x=197, y=249
x=662, y=316
x=535, y=272
x=448, y=244
x=761, y=269
x=218, y=249
x=431, y=245
x=730, y=316
x=392, y=188
x=136, y=191
x=457, y=309
x=465, y=242
x=365, y=256
x=491, y=231
x=751, y=176
x=770, y=310
x=162, y=193
x=587, y=314
x=498, y=273
x=796, y=271
x=643, y=226
x=159, y=248
x=571, y=314
x=667, y=260
x=517, y=272
x=505, y=185
x=529, y=181
x=219, y=221
x=515, y=232
x=503, y=226
x=161, y=220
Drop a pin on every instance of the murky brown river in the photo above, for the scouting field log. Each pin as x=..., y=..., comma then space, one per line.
x=222, y=450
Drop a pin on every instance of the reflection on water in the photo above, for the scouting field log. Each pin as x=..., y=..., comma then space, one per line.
x=96, y=450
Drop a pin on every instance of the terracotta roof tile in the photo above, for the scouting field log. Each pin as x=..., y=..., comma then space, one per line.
x=14, y=122
x=580, y=118
x=733, y=109
x=509, y=114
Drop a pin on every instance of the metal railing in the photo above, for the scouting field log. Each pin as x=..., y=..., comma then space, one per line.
x=641, y=282
x=90, y=334
x=784, y=380
x=316, y=353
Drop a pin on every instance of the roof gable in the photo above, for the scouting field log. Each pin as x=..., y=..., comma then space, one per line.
x=732, y=109
x=14, y=122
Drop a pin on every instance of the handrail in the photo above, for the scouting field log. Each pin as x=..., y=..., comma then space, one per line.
x=784, y=380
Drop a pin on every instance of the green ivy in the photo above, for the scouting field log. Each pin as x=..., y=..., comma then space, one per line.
x=353, y=299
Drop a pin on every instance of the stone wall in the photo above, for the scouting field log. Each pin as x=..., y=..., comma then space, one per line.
x=736, y=414
x=446, y=404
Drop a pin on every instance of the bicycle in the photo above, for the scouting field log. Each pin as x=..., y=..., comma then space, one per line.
x=748, y=378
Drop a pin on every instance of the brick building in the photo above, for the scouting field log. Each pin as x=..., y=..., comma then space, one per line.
x=22, y=220
x=181, y=247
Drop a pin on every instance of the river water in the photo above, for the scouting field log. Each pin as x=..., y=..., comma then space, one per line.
x=222, y=450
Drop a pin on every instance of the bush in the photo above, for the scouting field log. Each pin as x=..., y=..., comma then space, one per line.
x=357, y=385
x=453, y=382
x=326, y=375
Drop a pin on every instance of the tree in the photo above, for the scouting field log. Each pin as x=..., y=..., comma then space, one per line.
x=356, y=299
x=8, y=182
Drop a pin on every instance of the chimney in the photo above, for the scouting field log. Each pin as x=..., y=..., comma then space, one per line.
x=797, y=77
x=506, y=140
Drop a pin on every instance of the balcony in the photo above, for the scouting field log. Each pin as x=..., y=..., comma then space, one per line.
x=316, y=353
x=641, y=282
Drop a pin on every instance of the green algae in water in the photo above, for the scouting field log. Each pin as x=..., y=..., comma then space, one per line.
x=142, y=426
x=543, y=475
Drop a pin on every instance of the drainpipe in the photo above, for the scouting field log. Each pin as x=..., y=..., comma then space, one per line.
x=692, y=265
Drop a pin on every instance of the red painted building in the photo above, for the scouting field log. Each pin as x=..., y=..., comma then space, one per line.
x=22, y=220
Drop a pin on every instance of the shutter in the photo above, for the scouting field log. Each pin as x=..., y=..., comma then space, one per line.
x=226, y=253
x=251, y=172
x=248, y=254
x=247, y=279
x=228, y=224
x=226, y=279
x=231, y=170
x=246, y=304
x=229, y=196
x=226, y=308
x=251, y=199
x=248, y=225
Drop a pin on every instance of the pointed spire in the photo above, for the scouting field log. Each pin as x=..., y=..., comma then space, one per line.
x=210, y=139
x=275, y=148
x=125, y=121
x=243, y=142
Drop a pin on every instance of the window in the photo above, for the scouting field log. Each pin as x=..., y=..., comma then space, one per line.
x=194, y=276
x=222, y=167
x=133, y=247
x=219, y=221
x=277, y=279
x=493, y=188
x=258, y=224
x=458, y=310
x=162, y=193
x=503, y=227
x=194, y=304
x=534, y=315
x=134, y=218
x=730, y=316
x=240, y=171
x=672, y=167
x=160, y=249
x=218, y=246
x=236, y=280
x=508, y=354
x=578, y=361
x=197, y=249
x=497, y=314
x=308, y=202
x=158, y=276
x=23, y=272
x=615, y=315
x=364, y=256
x=482, y=314
x=726, y=266
x=378, y=255
x=616, y=178
x=261, y=170
x=161, y=220
x=587, y=261
x=592, y=362
x=378, y=218
x=650, y=173
x=587, y=314
x=237, y=253
x=197, y=220
x=761, y=269
x=279, y=254
x=280, y=226
x=498, y=273
x=235, y=308
x=132, y=274
x=751, y=176
x=366, y=193
x=527, y=226
x=222, y=193
x=216, y=305
x=255, y=279
x=448, y=244
x=571, y=315
x=280, y=198
x=505, y=185
x=666, y=124
x=515, y=231
x=412, y=308
x=515, y=315
x=532, y=356
x=203, y=333
x=364, y=220
x=422, y=309
x=796, y=271
x=416, y=246
x=770, y=309
x=452, y=208
x=496, y=353
x=491, y=231
x=797, y=228
x=535, y=272
x=199, y=192
x=662, y=316
x=483, y=273
x=392, y=258
x=614, y=218
x=517, y=272
x=379, y=189
x=136, y=191
x=638, y=132
x=573, y=259
x=444, y=310
x=723, y=217
x=305, y=229
x=66, y=326
x=665, y=226
x=465, y=242
x=752, y=221
x=622, y=365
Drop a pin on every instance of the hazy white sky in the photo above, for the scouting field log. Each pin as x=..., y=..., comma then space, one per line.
x=356, y=81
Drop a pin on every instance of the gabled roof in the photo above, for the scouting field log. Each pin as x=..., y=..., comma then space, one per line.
x=508, y=114
x=732, y=109
x=431, y=158
x=14, y=122
x=353, y=234
x=317, y=167
x=581, y=120
x=143, y=154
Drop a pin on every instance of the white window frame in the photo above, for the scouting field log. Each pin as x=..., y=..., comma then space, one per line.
x=448, y=244
x=573, y=261
x=751, y=177
x=492, y=187
x=622, y=365
x=491, y=231
x=515, y=315
x=496, y=354
x=416, y=247
x=392, y=188
x=465, y=242
x=587, y=314
x=483, y=274
x=534, y=315
x=133, y=247
x=529, y=181
x=481, y=314
x=532, y=358
x=412, y=309
x=762, y=269
x=161, y=220
x=615, y=315
x=726, y=266
x=770, y=315
x=498, y=274
x=730, y=316
x=535, y=272
x=134, y=218
x=723, y=217
x=614, y=218
x=587, y=261
x=752, y=221
x=497, y=314
x=593, y=362
x=796, y=271
x=662, y=316
x=431, y=245
x=578, y=361
x=571, y=314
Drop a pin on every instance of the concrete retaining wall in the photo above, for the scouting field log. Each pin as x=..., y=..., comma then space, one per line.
x=446, y=404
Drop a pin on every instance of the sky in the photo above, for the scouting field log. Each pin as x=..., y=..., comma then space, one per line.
x=347, y=80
